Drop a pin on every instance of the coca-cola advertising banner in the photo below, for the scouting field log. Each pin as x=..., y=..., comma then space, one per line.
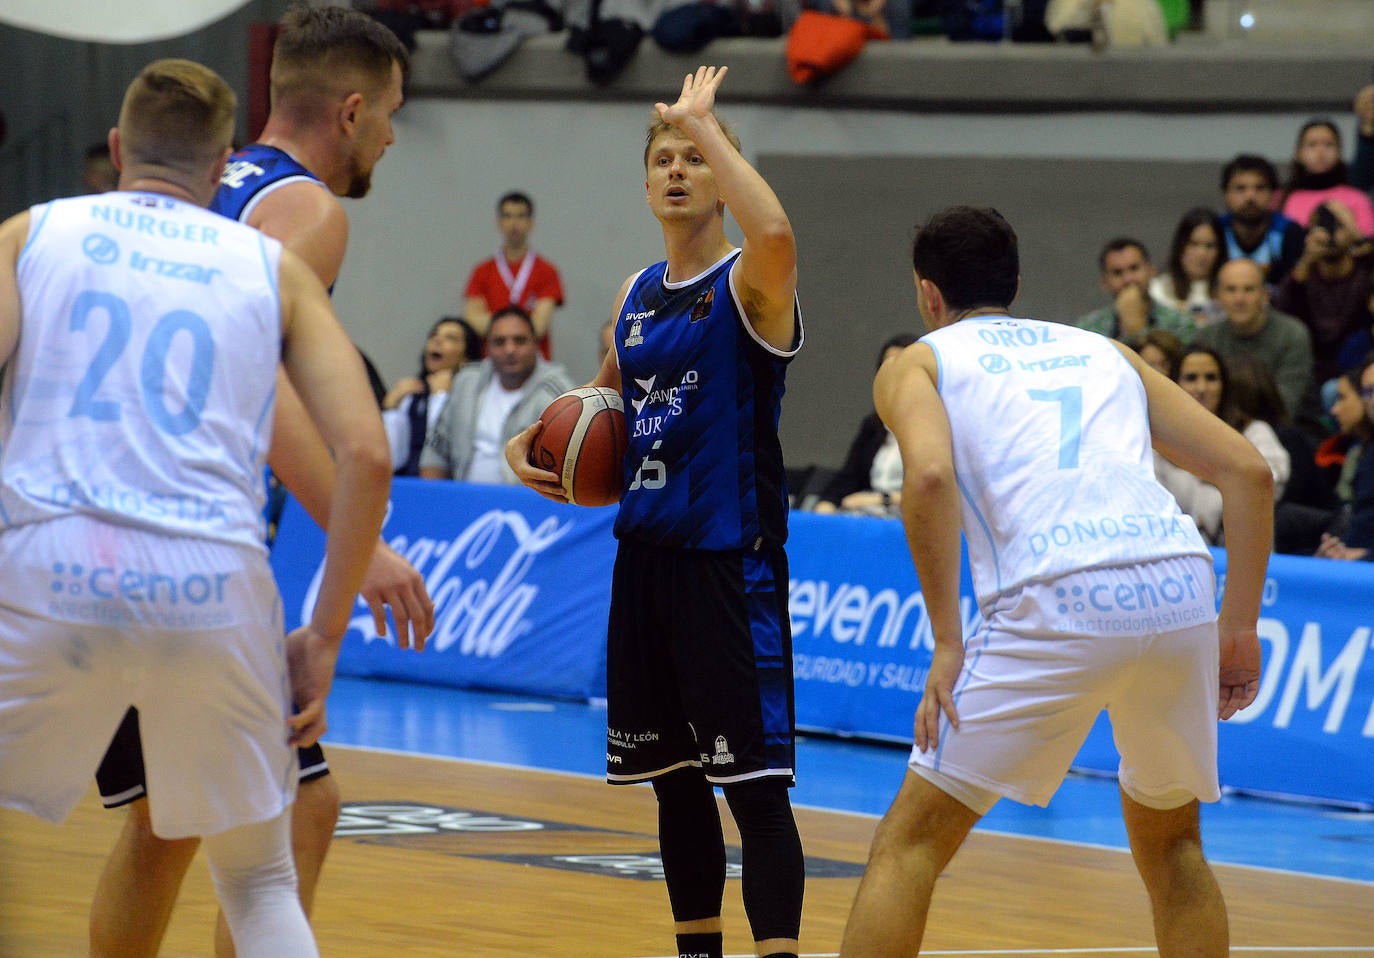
x=521, y=588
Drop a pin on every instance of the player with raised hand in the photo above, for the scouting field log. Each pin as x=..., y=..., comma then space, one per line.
x=699, y=661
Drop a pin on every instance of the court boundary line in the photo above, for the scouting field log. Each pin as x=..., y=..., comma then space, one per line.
x=835, y=811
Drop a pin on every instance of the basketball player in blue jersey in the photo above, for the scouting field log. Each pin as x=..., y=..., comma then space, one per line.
x=336, y=82
x=699, y=664
x=1095, y=591
x=134, y=424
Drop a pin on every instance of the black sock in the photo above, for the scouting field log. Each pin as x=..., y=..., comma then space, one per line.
x=709, y=945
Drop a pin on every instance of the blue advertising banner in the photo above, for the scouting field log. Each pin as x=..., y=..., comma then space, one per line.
x=522, y=588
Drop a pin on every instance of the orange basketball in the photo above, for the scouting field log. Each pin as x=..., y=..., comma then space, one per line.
x=584, y=441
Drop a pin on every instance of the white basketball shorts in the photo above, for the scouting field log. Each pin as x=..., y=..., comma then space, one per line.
x=1139, y=641
x=95, y=618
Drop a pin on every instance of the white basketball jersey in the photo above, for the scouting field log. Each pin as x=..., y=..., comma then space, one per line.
x=141, y=390
x=1051, y=453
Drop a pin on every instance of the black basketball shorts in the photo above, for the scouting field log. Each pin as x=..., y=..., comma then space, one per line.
x=121, y=778
x=699, y=664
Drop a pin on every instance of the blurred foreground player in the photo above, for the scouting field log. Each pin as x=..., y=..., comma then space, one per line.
x=336, y=81
x=699, y=662
x=1121, y=616
x=133, y=426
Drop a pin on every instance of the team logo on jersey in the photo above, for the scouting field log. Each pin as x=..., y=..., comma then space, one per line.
x=994, y=363
x=99, y=248
x=723, y=754
x=703, y=305
x=634, y=339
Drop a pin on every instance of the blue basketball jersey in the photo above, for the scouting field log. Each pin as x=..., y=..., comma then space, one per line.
x=703, y=395
x=252, y=173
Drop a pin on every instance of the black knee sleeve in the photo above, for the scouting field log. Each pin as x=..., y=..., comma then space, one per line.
x=691, y=844
x=774, y=868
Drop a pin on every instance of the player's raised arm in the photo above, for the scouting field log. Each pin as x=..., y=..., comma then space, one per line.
x=766, y=275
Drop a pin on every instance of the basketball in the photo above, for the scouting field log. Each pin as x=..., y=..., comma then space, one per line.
x=584, y=441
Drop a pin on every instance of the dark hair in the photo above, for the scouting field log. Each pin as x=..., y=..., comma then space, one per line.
x=515, y=196
x=316, y=44
x=1166, y=342
x=472, y=343
x=512, y=310
x=1115, y=245
x=970, y=255
x=1225, y=408
x=1299, y=178
x=1249, y=163
x=1183, y=232
x=1253, y=392
x=1355, y=376
x=899, y=341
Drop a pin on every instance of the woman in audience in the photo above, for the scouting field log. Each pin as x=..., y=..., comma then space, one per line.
x=1194, y=258
x=1348, y=454
x=870, y=481
x=414, y=403
x=1203, y=374
x=1160, y=349
x=1319, y=174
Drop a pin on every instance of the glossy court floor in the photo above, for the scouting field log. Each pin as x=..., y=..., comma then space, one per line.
x=478, y=825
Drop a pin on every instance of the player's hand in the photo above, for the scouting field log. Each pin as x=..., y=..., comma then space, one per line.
x=697, y=99
x=310, y=659
x=1240, y=669
x=547, y=484
x=945, y=665
x=392, y=581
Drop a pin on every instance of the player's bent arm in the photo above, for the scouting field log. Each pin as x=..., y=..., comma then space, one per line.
x=327, y=373
x=14, y=233
x=766, y=274
x=1201, y=443
x=477, y=315
x=308, y=220
x=905, y=397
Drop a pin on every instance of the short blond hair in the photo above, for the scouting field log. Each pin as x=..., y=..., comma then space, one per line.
x=658, y=127
x=178, y=116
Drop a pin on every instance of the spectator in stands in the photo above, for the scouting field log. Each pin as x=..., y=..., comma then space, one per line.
x=1319, y=174
x=1355, y=539
x=412, y=406
x=1362, y=166
x=1203, y=375
x=1194, y=258
x=1162, y=350
x=516, y=274
x=98, y=173
x=1281, y=342
x=1329, y=288
x=870, y=481
x=490, y=401
x=1126, y=275
x=1305, y=507
x=1251, y=227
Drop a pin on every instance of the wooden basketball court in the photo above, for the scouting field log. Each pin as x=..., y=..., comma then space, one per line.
x=438, y=857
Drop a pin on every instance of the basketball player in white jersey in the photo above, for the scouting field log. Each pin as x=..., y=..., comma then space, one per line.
x=336, y=82
x=141, y=336
x=1095, y=591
